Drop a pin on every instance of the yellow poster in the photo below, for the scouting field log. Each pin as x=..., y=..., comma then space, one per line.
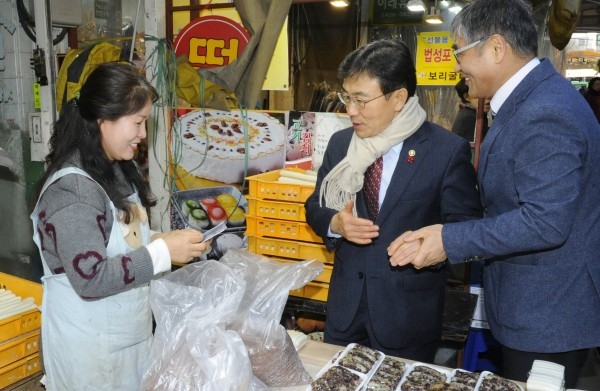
x=434, y=59
x=278, y=73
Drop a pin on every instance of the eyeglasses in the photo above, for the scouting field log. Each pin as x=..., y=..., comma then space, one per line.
x=457, y=52
x=359, y=103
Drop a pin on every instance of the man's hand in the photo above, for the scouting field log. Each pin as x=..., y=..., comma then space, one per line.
x=399, y=250
x=354, y=229
x=431, y=250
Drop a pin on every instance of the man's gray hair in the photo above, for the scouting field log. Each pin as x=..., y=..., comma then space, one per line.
x=511, y=19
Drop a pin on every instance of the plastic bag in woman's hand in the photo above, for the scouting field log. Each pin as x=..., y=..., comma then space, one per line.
x=272, y=354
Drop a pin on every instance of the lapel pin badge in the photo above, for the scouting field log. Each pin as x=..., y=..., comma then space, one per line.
x=411, y=156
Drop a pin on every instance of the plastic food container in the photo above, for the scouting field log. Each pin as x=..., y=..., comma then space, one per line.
x=462, y=376
x=417, y=367
x=351, y=365
x=180, y=216
x=502, y=383
x=388, y=376
x=329, y=377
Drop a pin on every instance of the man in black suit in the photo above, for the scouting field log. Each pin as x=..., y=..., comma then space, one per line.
x=427, y=177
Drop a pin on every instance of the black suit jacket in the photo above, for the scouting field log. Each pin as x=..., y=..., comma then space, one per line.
x=438, y=185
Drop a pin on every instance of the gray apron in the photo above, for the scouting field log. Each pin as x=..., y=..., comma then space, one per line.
x=94, y=345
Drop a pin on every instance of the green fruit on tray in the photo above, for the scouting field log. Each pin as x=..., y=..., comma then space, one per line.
x=198, y=219
x=189, y=206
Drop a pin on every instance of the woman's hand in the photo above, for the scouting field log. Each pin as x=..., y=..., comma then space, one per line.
x=185, y=244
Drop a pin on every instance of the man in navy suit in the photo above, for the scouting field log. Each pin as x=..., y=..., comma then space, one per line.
x=539, y=181
x=427, y=177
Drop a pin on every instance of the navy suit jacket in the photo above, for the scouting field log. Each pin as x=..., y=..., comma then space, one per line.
x=438, y=186
x=539, y=178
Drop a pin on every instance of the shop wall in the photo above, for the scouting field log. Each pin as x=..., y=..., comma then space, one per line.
x=17, y=78
x=16, y=83
x=320, y=37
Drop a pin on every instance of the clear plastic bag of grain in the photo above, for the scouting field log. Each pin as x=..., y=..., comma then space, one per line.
x=272, y=354
x=192, y=348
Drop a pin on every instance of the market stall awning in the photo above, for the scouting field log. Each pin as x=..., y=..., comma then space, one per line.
x=264, y=20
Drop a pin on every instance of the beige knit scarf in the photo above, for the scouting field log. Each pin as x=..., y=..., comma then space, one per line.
x=346, y=178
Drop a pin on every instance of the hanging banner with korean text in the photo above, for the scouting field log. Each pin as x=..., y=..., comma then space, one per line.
x=393, y=13
x=434, y=59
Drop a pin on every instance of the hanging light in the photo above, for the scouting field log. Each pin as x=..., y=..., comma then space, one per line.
x=455, y=7
x=339, y=3
x=434, y=17
x=416, y=5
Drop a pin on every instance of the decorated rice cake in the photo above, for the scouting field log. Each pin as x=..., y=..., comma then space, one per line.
x=449, y=387
x=207, y=207
x=464, y=377
x=491, y=382
x=360, y=358
x=337, y=378
x=215, y=146
x=388, y=375
x=421, y=378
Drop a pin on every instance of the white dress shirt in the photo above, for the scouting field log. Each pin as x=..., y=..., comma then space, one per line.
x=507, y=88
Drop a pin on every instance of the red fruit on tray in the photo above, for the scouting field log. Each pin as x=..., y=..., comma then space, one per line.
x=209, y=202
x=216, y=214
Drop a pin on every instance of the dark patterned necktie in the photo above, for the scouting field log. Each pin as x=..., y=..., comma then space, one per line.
x=372, y=185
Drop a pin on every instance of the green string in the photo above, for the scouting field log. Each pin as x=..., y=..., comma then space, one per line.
x=163, y=76
x=245, y=128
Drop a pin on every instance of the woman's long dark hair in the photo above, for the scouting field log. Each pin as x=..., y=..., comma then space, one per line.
x=111, y=91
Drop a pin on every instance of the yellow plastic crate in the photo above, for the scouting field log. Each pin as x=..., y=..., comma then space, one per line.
x=283, y=229
x=265, y=186
x=27, y=321
x=276, y=209
x=288, y=249
x=20, y=324
x=22, y=287
x=312, y=290
x=19, y=348
x=19, y=370
x=323, y=277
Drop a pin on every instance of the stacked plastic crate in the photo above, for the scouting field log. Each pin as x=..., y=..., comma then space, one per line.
x=276, y=228
x=20, y=333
